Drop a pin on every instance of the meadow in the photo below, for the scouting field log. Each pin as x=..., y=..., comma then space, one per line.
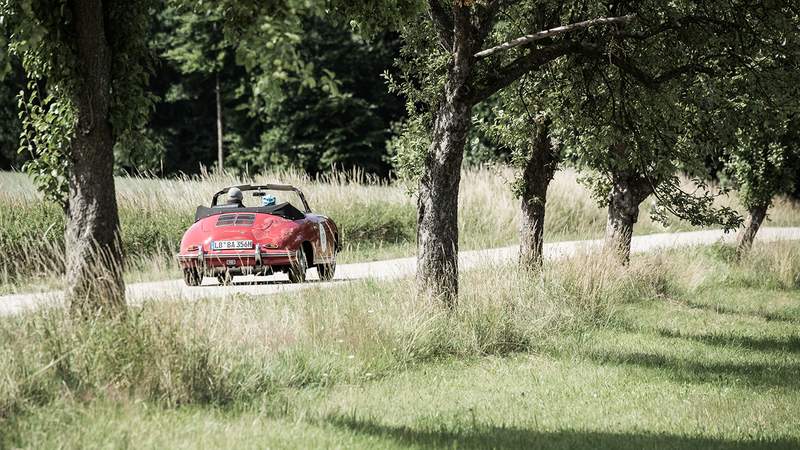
x=377, y=220
x=682, y=349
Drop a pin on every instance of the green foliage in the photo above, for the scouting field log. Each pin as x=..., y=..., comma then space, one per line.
x=761, y=170
x=408, y=148
x=763, y=144
x=646, y=115
x=419, y=78
x=129, y=22
x=10, y=124
x=315, y=103
x=42, y=38
x=338, y=118
x=192, y=38
x=698, y=208
x=513, y=120
x=47, y=129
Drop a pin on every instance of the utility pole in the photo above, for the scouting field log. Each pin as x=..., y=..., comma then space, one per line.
x=219, y=124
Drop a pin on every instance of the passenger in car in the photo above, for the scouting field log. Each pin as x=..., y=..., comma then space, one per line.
x=268, y=200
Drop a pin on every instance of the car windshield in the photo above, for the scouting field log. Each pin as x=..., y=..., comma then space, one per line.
x=253, y=199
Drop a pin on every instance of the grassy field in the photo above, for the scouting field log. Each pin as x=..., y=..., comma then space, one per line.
x=683, y=349
x=377, y=220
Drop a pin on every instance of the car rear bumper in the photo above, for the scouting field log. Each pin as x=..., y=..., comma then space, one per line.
x=241, y=261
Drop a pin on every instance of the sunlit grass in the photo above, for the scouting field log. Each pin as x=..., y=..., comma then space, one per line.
x=683, y=349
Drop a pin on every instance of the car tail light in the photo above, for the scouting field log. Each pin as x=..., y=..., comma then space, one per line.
x=192, y=248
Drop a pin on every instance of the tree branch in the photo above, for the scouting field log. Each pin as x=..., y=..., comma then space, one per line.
x=550, y=33
x=519, y=67
x=711, y=25
x=646, y=79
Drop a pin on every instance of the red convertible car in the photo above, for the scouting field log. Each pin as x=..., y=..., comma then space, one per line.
x=230, y=238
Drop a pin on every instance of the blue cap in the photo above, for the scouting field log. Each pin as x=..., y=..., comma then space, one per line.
x=268, y=200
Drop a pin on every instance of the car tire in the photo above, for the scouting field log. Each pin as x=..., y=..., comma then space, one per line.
x=326, y=271
x=225, y=279
x=297, y=271
x=192, y=277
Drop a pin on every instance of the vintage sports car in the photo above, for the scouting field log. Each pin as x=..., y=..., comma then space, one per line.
x=230, y=238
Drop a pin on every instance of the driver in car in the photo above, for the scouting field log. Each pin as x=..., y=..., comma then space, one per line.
x=234, y=198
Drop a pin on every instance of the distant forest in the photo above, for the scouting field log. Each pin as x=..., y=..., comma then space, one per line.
x=342, y=115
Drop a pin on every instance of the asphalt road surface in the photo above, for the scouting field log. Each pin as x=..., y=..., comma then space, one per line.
x=389, y=269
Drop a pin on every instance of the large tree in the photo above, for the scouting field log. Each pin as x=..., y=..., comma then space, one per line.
x=86, y=62
x=521, y=122
x=463, y=52
x=459, y=55
x=764, y=163
x=630, y=113
x=633, y=140
x=762, y=138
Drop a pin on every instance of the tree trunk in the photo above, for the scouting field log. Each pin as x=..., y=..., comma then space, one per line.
x=628, y=190
x=94, y=255
x=220, y=154
x=537, y=174
x=755, y=218
x=437, y=204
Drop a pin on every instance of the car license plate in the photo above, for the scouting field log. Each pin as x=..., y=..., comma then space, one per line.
x=231, y=245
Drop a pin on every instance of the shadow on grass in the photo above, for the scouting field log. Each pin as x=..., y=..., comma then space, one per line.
x=511, y=438
x=751, y=373
x=721, y=309
x=788, y=344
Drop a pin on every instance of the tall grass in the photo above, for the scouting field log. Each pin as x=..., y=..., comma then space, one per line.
x=377, y=220
x=226, y=353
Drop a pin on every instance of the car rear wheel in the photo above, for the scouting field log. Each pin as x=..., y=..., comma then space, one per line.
x=326, y=271
x=225, y=279
x=297, y=271
x=192, y=277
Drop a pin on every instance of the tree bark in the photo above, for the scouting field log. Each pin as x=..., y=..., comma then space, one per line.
x=628, y=191
x=94, y=255
x=538, y=172
x=755, y=218
x=437, y=204
x=220, y=153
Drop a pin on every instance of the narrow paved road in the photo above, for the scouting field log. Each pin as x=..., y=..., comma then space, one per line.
x=389, y=269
